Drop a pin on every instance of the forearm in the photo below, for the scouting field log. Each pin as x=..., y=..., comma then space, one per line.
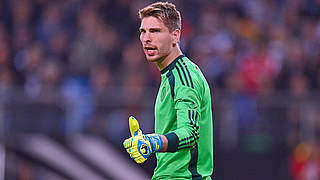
x=171, y=142
x=165, y=143
x=181, y=138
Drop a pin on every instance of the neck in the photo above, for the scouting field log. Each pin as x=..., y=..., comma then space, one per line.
x=168, y=59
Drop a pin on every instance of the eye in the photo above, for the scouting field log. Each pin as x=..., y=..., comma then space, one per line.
x=154, y=30
x=142, y=30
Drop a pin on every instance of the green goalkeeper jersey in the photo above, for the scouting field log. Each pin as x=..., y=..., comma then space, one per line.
x=183, y=114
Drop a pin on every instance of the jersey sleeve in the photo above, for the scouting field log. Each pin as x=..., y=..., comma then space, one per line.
x=186, y=102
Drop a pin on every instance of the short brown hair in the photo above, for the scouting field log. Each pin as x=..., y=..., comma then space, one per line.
x=164, y=11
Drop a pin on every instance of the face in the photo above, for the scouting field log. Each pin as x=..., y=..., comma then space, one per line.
x=156, y=39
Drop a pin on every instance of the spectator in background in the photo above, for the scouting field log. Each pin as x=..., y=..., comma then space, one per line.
x=299, y=85
x=242, y=105
x=78, y=104
x=100, y=80
x=103, y=95
x=258, y=69
x=81, y=49
x=49, y=100
x=50, y=75
x=59, y=47
x=50, y=23
x=305, y=161
x=5, y=50
x=93, y=42
x=21, y=24
x=132, y=63
x=22, y=14
x=298, y=89
x=28, y=63
x=6, y=83
x=295, y=62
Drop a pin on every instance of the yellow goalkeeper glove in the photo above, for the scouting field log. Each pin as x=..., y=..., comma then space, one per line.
x=140, y=145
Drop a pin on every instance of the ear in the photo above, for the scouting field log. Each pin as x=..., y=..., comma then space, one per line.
x=176, y=36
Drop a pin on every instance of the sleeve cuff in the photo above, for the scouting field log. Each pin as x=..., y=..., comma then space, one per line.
x=173, y=142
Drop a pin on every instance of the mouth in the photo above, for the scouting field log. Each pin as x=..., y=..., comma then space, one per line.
x=150, y=50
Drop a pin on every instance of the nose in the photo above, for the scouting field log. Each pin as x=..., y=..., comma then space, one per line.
x=145, y=37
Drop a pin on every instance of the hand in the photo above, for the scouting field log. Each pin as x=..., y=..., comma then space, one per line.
x=140, y=146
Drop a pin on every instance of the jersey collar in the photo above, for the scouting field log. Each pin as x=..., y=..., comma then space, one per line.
x=171, y=65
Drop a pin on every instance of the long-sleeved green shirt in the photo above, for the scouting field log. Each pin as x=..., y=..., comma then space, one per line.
x=183, y=114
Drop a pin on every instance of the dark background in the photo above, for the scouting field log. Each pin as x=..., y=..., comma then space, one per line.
x=70, y=67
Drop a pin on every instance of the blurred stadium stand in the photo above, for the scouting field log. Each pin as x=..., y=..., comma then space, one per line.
x=71, y=73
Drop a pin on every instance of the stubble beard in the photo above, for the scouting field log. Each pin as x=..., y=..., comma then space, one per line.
x=157, y=58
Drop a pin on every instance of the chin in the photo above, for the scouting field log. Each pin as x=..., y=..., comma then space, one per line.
x=152, y=58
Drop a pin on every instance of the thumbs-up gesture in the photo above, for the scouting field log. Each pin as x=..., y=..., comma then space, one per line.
x=134, y=126
x=139, y=145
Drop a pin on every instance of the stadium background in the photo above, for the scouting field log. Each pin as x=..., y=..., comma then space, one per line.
x=71, y=72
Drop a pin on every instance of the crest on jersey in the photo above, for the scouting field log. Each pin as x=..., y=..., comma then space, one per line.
x=192, y=105
x=163, y=93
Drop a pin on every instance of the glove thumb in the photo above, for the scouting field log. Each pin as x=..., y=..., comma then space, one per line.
x=134, y=127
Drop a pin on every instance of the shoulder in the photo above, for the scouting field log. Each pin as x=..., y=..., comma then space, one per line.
x=185, y=77
x=191, y=71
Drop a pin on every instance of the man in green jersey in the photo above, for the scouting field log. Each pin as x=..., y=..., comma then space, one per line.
x=183, y=139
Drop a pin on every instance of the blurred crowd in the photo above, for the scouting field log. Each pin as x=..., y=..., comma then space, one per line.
x=83, y=56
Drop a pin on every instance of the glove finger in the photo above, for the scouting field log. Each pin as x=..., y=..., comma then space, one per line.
x=135, y=154
x=134, y=126
x=138, y=156
x=127, y=143
x=140, y=160
x=129, y=151
x=137, y=160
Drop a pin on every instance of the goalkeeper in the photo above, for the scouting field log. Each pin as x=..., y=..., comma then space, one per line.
x=183, y=139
